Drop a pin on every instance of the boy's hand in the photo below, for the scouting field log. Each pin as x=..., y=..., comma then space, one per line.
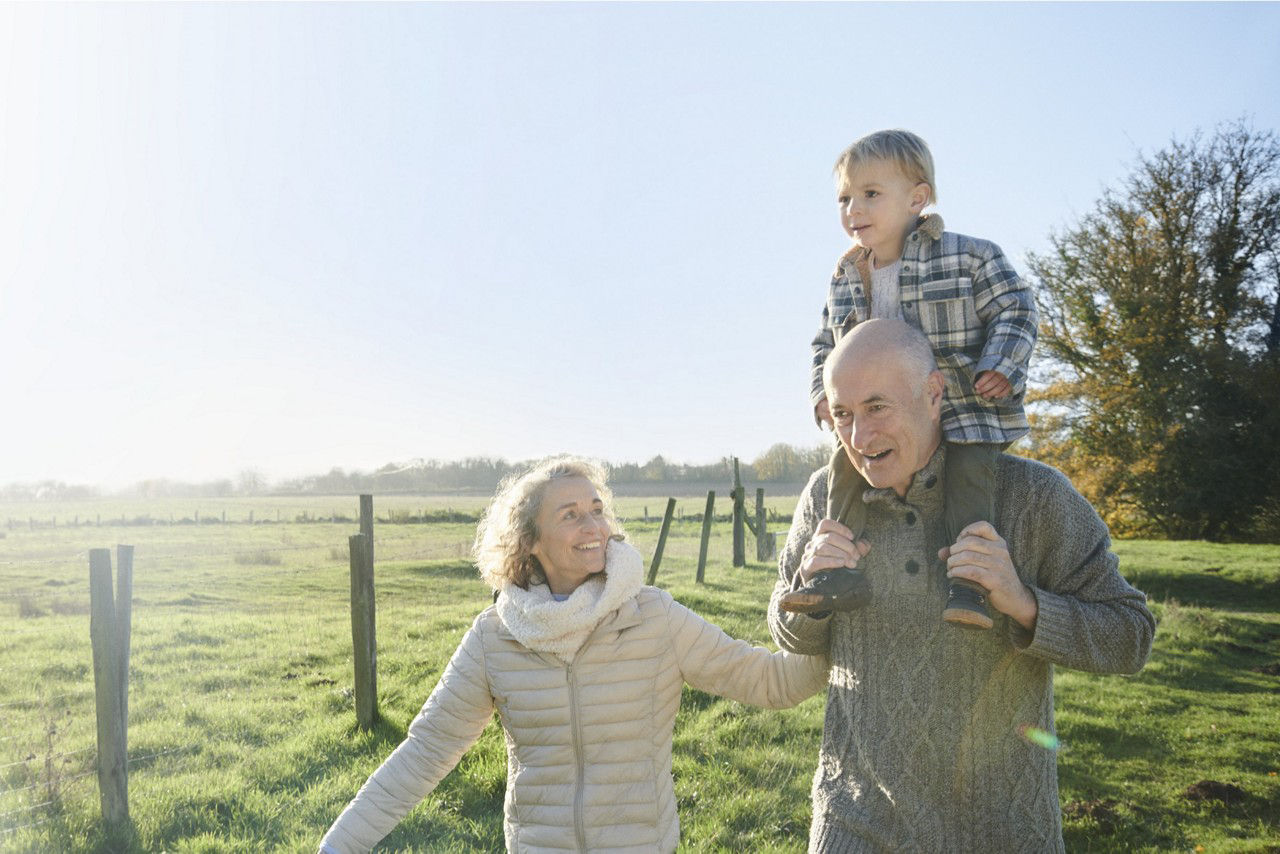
x=992, y=385
x=823, y=413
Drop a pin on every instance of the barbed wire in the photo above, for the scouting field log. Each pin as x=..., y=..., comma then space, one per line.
x=77, y=556
x=31, y=808
x=245, y=548
x=36, y=702
x=25, y=826
x=61, y=782
x=47, y=757
x=184, y=749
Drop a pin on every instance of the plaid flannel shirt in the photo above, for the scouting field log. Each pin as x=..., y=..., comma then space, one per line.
x=971, y=305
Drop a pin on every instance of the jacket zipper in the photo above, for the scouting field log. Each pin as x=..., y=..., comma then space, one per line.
x=580, y=783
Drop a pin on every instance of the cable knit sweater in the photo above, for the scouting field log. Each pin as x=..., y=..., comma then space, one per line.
x=921, y=747
x=586, y=691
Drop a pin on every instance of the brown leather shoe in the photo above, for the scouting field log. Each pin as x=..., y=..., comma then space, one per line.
x=830, y=590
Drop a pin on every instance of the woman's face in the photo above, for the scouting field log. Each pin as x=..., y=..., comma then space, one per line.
x=572, y=533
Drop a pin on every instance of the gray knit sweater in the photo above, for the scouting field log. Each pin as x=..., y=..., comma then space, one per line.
x=921, y=748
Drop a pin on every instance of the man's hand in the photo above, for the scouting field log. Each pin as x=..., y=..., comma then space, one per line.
x=823, y=413
x=993, y=385
x=832, y=547
x=982, y=556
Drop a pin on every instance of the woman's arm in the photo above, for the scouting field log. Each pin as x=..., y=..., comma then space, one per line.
x=450, y=722
x=712, y=661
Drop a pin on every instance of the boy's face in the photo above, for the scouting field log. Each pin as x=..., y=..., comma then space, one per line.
x=879, y=205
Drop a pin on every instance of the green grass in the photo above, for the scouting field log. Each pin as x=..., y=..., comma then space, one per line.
x=242, y=732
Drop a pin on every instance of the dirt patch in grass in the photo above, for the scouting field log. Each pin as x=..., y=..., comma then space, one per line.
x=1272, y=669
x=1101, y=810
x=1212, y=790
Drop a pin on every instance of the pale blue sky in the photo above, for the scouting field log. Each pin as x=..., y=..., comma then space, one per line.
x=298, y=236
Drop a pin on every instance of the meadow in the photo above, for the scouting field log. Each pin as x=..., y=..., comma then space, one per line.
x=242, y=730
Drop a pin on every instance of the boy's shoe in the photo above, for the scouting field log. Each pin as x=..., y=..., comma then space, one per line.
x=967, y=605
x=830, y=590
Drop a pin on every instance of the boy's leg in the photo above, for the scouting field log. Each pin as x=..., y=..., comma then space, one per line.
x=837, y=589
x=969, y=496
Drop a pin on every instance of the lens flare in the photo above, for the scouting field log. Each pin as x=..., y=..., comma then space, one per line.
x=1039, y=737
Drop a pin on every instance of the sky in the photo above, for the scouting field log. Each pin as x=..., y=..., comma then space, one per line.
x=292, y=237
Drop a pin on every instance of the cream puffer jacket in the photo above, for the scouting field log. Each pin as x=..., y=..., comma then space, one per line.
x=588, y=735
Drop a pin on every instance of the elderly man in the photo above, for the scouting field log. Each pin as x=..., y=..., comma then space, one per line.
x=924, y=746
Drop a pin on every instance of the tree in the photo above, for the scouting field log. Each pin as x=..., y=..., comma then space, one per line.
x=251, y=482
x=1161, y=322
x=783, y=462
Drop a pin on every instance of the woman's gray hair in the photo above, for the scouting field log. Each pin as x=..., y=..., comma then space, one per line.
x=508, y=529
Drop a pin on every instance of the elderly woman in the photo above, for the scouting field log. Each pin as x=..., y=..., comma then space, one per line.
x=584, y=665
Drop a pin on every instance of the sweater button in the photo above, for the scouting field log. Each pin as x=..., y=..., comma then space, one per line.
x=911, y=518
x=912, y=567
x=931, y=482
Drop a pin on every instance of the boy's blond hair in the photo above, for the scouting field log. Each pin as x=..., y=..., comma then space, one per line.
x=903, y=148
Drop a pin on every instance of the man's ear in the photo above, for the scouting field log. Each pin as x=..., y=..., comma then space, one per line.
x=920, y=196
x=935, y=384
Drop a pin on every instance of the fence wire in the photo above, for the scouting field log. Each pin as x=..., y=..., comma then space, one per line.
x=44, y=701
x=47, y=757
x=61, y=782
x=25, y=826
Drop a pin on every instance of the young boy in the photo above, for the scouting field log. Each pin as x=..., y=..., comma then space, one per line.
x=974, y=309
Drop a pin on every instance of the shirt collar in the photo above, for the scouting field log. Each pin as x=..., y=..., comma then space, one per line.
x=925, y=491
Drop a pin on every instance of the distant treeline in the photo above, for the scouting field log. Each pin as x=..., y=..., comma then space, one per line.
x=782, y=463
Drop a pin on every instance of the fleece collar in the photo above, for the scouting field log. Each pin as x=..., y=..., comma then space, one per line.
x=929, y=226
x=542, y=624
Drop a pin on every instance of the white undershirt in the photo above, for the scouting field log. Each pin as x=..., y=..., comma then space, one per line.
x=884, y=291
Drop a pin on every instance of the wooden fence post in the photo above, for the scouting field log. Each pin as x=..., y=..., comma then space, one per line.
x=762, y=538
x=662, y=540
x=706, y=533
x=363, y=635
x=366, y=524
x=110, y=638
x=124, y=625
x=739, y=521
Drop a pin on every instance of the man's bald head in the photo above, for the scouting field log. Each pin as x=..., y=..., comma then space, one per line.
x=879, y=337
x=885, y=393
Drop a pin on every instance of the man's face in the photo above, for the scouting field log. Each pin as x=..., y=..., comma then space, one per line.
x=888, y=422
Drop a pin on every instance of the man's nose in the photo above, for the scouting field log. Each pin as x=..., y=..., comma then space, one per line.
x=861, y=436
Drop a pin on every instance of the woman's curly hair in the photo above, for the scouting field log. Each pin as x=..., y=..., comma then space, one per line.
x=508, y=528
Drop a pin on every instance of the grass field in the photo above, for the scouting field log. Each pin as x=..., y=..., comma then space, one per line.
x=242, y=732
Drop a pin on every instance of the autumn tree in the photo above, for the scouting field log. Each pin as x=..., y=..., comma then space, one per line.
x=783, y=462
x=1161, y=328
